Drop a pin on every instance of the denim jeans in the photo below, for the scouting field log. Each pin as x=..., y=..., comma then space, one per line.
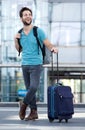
x=31, y=75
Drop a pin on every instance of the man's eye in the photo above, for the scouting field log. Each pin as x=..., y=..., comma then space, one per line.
x=27, y=15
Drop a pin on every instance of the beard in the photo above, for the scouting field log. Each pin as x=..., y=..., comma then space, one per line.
x=26, y=24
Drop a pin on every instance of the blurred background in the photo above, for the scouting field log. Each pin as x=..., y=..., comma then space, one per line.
x=64, y=24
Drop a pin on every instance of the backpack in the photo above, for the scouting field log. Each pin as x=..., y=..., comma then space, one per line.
x=43, y=49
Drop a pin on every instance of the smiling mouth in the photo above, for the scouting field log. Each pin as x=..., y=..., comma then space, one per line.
x=27, y=22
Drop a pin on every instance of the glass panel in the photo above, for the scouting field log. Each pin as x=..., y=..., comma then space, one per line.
x=11, y=82
x=66, y=12
x=66, y=33
x=83, y=91
x=83, y=86
x=41, y=16
x=83, y=33
x=83, y=11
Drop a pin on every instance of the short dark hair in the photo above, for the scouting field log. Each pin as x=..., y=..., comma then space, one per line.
x=24, y=9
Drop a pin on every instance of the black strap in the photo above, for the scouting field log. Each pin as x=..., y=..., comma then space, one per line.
x=20, y=30
x=20, y=47
x=38, y=42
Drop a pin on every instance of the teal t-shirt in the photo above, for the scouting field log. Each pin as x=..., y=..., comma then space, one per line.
x=31, y=53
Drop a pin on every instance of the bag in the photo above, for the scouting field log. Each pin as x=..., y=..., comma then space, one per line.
x=60, y=103
x=43, y=49
x=59, y=99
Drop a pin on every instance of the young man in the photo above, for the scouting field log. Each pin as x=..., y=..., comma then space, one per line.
x=31, y=62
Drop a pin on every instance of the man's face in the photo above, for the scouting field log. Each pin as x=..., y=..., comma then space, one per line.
x=27, y=18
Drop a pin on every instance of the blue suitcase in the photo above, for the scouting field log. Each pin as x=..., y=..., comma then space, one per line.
x=60, y=103
x=60, y=100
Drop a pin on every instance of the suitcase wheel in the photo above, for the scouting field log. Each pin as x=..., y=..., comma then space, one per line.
x=60, y=120
x=51, y=119
x=66, y=120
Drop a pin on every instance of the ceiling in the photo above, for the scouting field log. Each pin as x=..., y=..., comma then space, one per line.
x=68, y=1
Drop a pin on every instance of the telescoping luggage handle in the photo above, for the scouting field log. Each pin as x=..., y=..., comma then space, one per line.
x=57, y=68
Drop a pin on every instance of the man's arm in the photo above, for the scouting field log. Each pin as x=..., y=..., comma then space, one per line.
x=51, y=47
x=16, y=41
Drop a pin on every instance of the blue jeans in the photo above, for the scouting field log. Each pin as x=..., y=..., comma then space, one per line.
x=31, y=74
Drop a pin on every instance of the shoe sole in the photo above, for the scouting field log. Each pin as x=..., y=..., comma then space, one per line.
x=21, y=117
x=31, y=119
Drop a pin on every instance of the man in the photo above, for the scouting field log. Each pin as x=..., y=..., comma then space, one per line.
x=31, y=62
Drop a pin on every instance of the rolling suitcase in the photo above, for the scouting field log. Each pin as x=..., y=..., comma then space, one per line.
x=60, y=100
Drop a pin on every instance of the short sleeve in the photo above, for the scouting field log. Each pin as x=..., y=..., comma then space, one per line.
x=41, y=34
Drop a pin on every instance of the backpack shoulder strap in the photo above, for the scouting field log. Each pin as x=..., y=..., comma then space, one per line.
x=20, y=30
x=36, y=35
x=20, y=47
x=35, y=31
